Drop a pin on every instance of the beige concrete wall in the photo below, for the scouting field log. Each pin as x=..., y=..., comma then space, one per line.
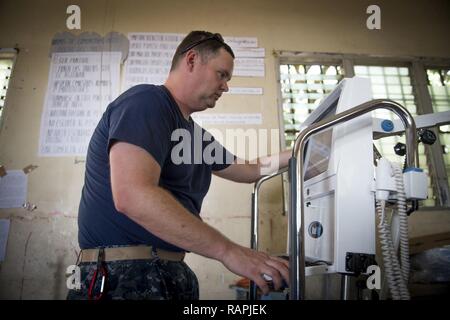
x=43, y=243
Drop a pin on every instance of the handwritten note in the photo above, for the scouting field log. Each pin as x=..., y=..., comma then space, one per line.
x=150, y=57
x=80, y=86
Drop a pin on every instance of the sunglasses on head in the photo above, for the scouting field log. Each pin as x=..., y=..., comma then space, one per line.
x=215, y=36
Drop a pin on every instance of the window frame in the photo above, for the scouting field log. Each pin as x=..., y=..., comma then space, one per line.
x=8, y=53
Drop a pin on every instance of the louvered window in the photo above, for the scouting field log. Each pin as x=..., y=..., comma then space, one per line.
x=302, y=89
x=6, y=64
x=439, y=88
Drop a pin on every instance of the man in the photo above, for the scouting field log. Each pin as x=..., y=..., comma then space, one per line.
x=140, y=206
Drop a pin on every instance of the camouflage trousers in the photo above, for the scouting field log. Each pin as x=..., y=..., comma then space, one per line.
x=151, y=279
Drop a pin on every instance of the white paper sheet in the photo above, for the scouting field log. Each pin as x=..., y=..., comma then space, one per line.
x=249, y=67
x=243, y=42
x=13, y=189
x=227, y=118
x=80, y=87
x=245, y=91
x=4, y=231
x=249, y=52
x=150, y=57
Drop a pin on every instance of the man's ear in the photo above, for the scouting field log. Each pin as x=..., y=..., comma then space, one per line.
x=191, y=57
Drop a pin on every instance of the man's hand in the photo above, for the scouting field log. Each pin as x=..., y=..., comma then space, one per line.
x=247, y=172
x=254, y=264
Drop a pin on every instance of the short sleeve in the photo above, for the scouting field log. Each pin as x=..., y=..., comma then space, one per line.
x=215, y=153
x=143, y=122
x=228, y=159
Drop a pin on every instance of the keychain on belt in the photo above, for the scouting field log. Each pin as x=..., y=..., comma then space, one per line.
x=101, y=269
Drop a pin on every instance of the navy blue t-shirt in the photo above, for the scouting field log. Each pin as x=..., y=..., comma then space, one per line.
x=146, y=116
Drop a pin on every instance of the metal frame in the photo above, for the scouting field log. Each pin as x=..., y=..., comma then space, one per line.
x=254, y=241
x=296, y=227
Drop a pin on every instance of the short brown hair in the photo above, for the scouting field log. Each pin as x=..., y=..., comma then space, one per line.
x=206, y=43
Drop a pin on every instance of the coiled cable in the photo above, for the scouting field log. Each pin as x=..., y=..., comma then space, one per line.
x=396, y=274
x=403, y=225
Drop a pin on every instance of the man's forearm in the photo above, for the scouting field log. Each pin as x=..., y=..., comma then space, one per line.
x=157, y=211
x=275, y=161
x=271, y=164
x=251, y=171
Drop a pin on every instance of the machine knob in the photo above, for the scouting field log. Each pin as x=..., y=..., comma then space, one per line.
x=426, y=136
x=400, y=149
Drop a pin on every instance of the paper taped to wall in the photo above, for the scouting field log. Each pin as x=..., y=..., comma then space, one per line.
x=249, y=67
x=80, y=86
x=249, y=52
x=13, y=189
x=150, y=57
x=227, y=118
x=245, y=91
x=241, y=42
